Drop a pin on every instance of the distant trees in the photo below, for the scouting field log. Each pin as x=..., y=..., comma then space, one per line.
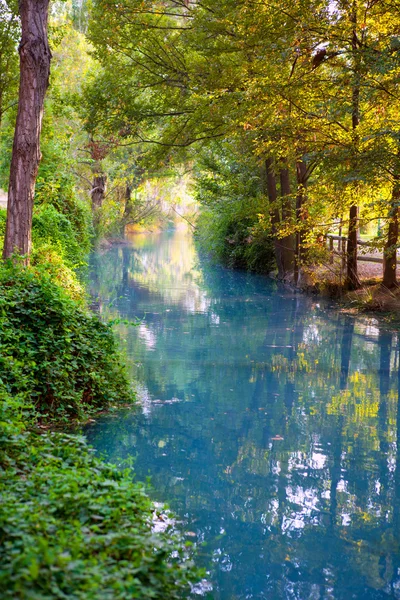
x=307, y=89
x=310, y=86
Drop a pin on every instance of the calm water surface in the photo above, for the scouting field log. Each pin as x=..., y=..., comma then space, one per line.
x=269, y=422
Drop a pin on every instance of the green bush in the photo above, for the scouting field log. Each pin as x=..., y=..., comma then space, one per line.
x=53, y=235
x=74, y=527
x=52, y=349
x=3, y=218
x=71, y=525
x=52, y=228
x=236, y=242
x=259, y=253
x=56, y=184
x=231, y=225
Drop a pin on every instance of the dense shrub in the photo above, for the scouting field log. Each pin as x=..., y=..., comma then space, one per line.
x=232, y=226
x=236, y=243
x=74, y=527
x=71, y=525
x=51, y=228
x=259, y=253
x=3, y=217
x=52, y=349
x=53, y=234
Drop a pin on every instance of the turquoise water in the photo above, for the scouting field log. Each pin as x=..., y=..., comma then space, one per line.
x=268, y=421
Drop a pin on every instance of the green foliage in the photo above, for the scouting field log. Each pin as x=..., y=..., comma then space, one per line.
x=259, y=252
x=238, y=244
x=56, y=187
x=6, y=141
x=53, y=351
x=9, y=37
x=72, y=526
x=231, y=226
x=57, y=241
x=3, y=218
x=52, y=228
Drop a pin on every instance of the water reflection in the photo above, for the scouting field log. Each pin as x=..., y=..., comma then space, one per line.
x=269, y=423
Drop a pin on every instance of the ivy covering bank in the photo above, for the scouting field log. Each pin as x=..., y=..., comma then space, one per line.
x=53, y=350
x=71, y=525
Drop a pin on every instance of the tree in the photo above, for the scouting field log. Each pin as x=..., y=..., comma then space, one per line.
x=308, y=85
x=35, y=59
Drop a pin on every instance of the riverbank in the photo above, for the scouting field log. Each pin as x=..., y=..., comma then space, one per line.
x=371, y=298
x=71, y=525
x=233, y=245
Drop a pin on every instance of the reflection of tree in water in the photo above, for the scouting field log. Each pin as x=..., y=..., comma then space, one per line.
x=274, y=428
x=127, y=276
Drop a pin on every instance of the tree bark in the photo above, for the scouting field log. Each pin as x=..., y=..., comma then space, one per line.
x=127, y=209
x=287, y=241
x=284, y=178
x=301, y=172
x=352, y=280
x=98, y=193
x=35, y=57
x=390, y=250
x=274, y=212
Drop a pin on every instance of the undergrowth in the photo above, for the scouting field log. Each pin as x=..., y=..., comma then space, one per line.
x=74, y=527
x=238, y=243
x=52, y=349
x=71, y=526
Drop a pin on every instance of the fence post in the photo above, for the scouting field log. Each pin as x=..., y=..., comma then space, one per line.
x=344, y=241
x=331, y=250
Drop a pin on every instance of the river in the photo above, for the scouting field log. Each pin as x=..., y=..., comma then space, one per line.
x=268, y=421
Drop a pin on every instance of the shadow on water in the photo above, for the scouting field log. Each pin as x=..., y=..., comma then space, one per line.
x=268, y=421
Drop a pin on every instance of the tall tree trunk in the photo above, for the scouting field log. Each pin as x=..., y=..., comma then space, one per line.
x=35, y=57
x=127, y=209
x=98, y=193
x=353, y=281
x=288, y=240
x=390, y=251
x=274, y=212
x=301, y=172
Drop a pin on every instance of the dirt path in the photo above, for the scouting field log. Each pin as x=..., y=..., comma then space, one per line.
x=369, y=270
x=3, y=199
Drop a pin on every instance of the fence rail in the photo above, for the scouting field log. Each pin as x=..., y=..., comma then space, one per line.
x=341, y=249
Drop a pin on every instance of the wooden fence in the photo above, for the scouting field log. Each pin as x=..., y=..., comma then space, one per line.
x=340, y=250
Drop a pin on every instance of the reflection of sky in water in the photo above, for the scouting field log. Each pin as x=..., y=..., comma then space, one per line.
x=269, y=423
